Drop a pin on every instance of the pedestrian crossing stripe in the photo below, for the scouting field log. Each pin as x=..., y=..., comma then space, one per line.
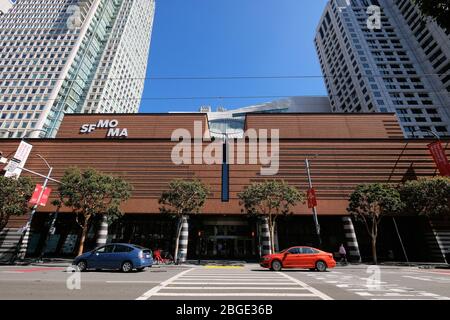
x=224, y=267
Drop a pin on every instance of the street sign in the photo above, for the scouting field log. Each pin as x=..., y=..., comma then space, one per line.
x=440, y=158
x=312, y=200
x=12, y=166
x=20, y=157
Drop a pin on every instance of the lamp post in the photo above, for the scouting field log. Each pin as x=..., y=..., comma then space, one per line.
x=26, y=232
x=314, y=209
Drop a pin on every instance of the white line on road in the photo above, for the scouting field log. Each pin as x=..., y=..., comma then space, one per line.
x=133, y=281
x=318, y=293
x=285, y=283
x=237, y=294
x=154, y=290
x=417, y=278
x=232, y=288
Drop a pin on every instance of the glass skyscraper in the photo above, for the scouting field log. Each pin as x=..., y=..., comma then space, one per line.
x=401, y=66
x=71, y=56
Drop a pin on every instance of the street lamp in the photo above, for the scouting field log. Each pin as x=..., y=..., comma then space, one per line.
x=314, y=209
x=24, y=240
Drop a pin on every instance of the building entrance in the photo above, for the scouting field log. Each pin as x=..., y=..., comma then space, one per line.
x=222, y=238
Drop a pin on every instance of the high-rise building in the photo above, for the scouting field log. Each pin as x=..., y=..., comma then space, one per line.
x=401, y=65
x=5, y=5
x=71, y=56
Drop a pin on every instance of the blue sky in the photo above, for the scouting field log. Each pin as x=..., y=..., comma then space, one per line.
x=229, y=38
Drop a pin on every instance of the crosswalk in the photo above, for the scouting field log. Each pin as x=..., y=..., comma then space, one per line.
x=371, y=290
x=228, y=283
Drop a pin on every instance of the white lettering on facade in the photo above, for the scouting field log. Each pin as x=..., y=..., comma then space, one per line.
x=111, y=125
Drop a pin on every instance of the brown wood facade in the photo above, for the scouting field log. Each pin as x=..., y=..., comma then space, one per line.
x=337, y=164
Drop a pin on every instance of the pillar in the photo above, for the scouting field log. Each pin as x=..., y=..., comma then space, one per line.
x=102, y=232
x=265, y=236
x=351, y=240
x=184, y=236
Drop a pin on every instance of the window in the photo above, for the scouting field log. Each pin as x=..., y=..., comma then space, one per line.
x=120, y=248
x=295, y=251
x=106, y=249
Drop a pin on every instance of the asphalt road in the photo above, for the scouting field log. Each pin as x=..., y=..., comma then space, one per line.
x=355, y=282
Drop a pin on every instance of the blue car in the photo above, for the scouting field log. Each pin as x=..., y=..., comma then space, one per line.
x=119, y=256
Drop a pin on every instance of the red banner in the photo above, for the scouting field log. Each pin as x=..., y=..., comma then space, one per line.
x=45, y=197
x=312, y=200
x=37, y=192
x=35, y=197
x=440, y=158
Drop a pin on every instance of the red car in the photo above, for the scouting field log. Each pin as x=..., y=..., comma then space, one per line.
x=299, y=257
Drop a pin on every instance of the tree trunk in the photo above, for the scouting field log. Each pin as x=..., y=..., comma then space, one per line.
x=272, y=236
x=177, y=240
x=374, y=250
x=83, y=236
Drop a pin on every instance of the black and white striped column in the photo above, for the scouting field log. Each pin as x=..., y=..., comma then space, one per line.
x=265, y=236
x=102, y=232
x=352, y=241
x=24, y=243
x=184, y=236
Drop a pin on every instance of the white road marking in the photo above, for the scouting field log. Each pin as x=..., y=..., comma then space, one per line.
x=154, y=290
x=236, y=294
x=318, y=293
x=212, y=283
x=417, y=278
x=124, y=281
x=232, y=288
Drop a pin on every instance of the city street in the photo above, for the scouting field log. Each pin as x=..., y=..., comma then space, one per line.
x=356, y=282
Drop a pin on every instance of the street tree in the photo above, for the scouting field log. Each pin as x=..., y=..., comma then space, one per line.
x=182, y=198
x=271, y=199
x=369, y=203
x=14, y=197
x=91, y=193
x=438, y=10
x=428, y=197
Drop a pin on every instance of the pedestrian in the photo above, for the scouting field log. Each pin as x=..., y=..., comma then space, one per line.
x=343, y=253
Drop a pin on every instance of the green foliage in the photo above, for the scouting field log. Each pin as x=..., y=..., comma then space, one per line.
x=369, y=203
x=14, y=197
x=90, y=193
x=429, y=197
x=372, y=201
x=438, y=10
x=270, y=197
x=183, y=197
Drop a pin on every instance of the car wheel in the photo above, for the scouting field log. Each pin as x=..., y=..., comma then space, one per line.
x=321, y=266
x=126, y=266
x=82, y=265
x=276, y=265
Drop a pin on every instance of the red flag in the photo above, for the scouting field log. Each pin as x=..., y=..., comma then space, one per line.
x=45, y=197
x=440, y=158
x=36, y=193
x=312, y=200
